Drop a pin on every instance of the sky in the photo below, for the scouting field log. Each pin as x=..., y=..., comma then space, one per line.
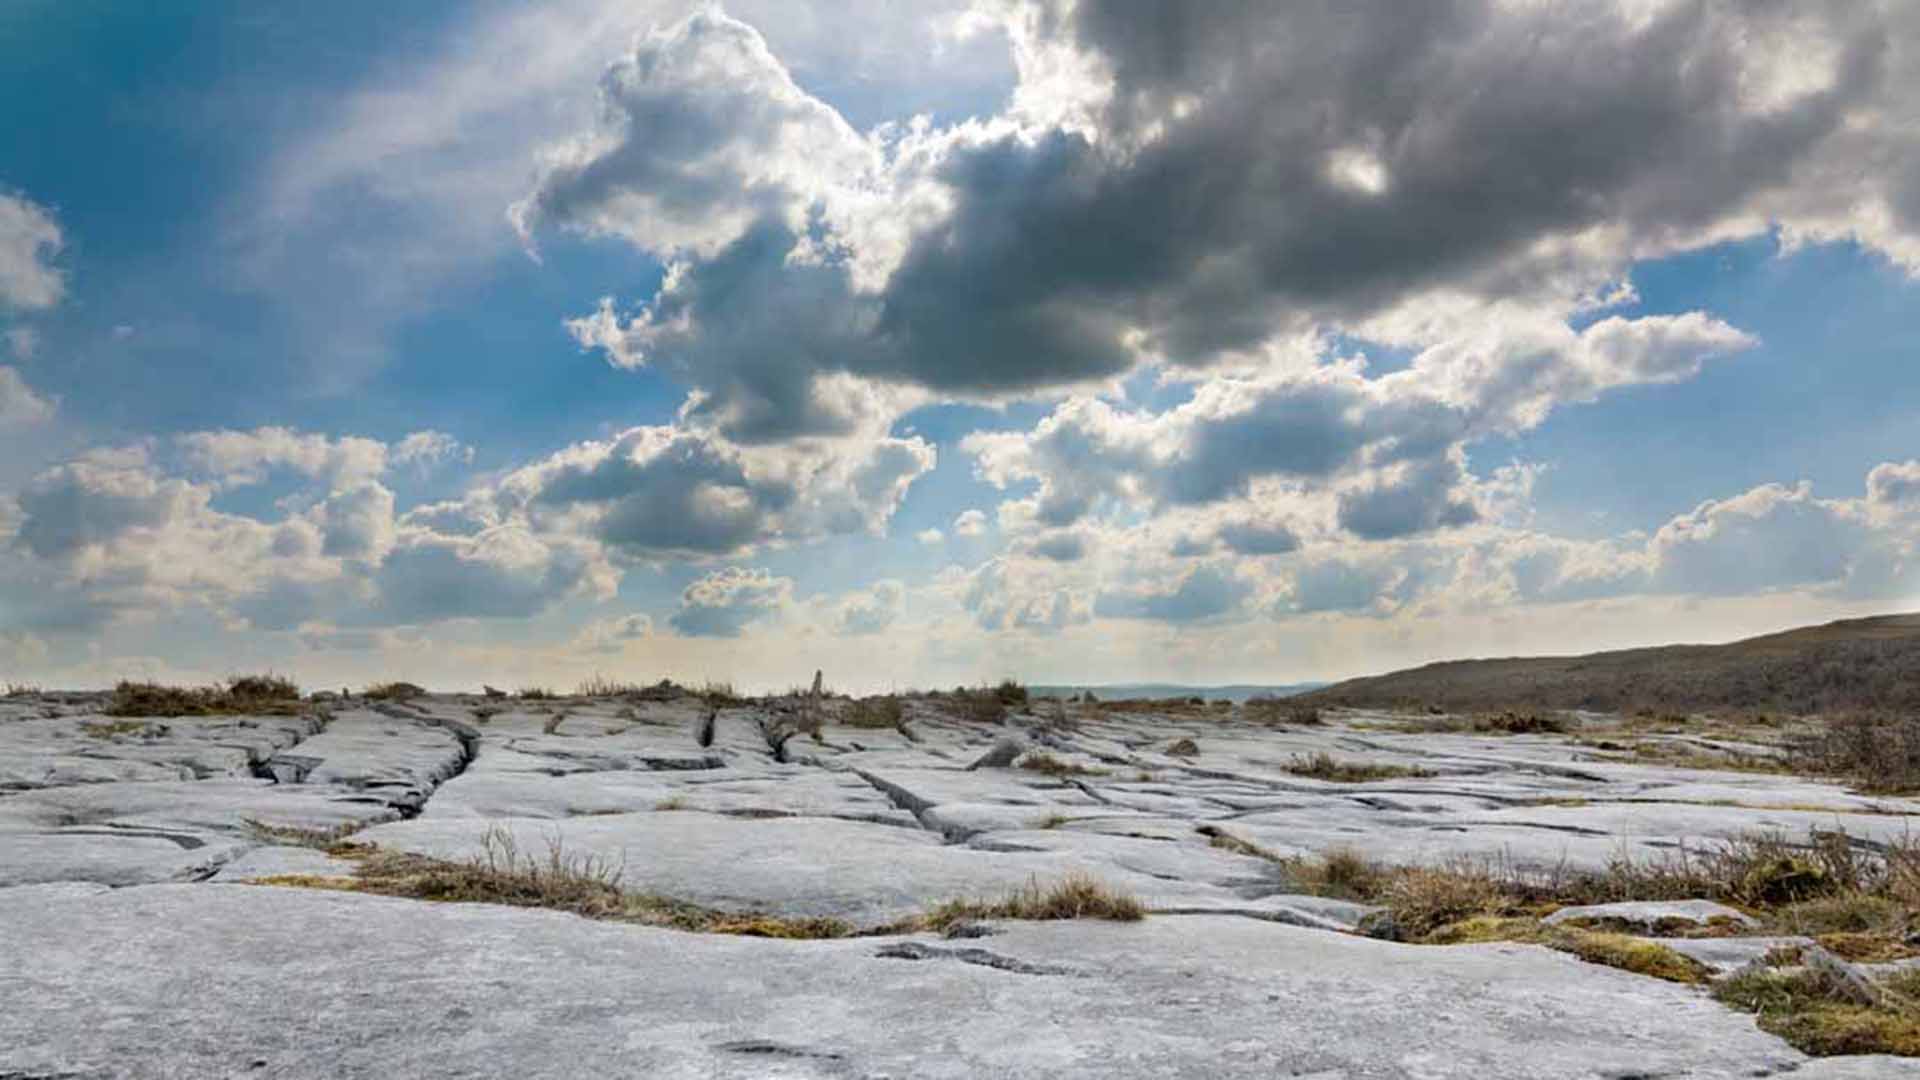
x=928, y=344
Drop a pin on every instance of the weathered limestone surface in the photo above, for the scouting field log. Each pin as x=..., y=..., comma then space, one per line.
x=307, y=983
x=131, y=945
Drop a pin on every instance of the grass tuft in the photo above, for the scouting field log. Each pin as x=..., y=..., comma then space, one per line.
x=1324, y=766
x=395, y=691
x=1076, y=896
x=1809, y=1009
x=1047, y=765
x=247, y=695
x=875, y=712
x=583, y=884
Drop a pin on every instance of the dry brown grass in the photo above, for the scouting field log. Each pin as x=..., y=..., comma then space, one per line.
x=1076, y=896
x=113, y=729
x=875, y=713
x=982, y=706
x=1276, y=712
x=242, y=695
x=1324, y=766
x=1820, y=1015
x=1859, y=901
x=1877, y=752
x=583, y=884
x=598, y=685
x=395, y=691
x=1046, y=764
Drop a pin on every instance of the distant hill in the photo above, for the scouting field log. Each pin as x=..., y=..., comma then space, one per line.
x=1154, y=691
x=1851, y=664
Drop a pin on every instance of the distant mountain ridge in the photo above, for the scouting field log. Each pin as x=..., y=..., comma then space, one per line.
x=1866, y=663
x=1121, y=691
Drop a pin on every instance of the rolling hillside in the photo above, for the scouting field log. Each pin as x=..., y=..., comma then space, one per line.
x=1851, y=664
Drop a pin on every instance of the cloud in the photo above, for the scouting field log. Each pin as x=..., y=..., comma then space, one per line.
x=871, y=610
x=1772, y=537
x=239, y=458
x=425, y=450
x=930, y=537
x=701, y=133
x=1389, y=449
x=970, y=523
x=1060, y=546
x=1208, y=591
x=611, y=635
x=503, y=572
x=1257, y=538
x=725, y=602
x=29, y=240
x=670, y=492
x=1062, y=242
x=19, y=405
x=1895, y=484
x=1018, y=594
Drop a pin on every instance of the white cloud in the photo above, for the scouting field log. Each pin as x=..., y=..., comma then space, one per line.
x=426, y=450
x=30, y=238
x=611, y=635
x=239, y=458
x=870, y=610
x=724, y=603
x=19, y=405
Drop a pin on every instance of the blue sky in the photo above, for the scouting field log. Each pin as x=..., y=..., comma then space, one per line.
x=936, y=343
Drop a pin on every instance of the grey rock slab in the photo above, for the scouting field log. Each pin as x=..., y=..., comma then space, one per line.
x=1651, y=913
x=867, y=874
x=111, y=856
x=1862, y=1067
x=223, y=805
x=440, y=990
x=1187, y=859
x=273, y=861
x=1726, y=955
x=405, y=759
x=477, y=794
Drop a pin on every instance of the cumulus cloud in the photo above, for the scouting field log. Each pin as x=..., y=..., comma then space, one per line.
x=1390, y=449
x=872, y=609
x=30, y=238
x=1062, y=241
x=667, y=492
x=122, y=531
x=612, y=634
x=1895, y=484
x=724, y=603
x=1208, y=591
x=19, y=405
x=1772, y=537
x=239, y=458
x=425, y=450
x=1018, y=594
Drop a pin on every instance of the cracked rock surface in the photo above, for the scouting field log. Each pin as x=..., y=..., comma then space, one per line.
x=127, y=845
